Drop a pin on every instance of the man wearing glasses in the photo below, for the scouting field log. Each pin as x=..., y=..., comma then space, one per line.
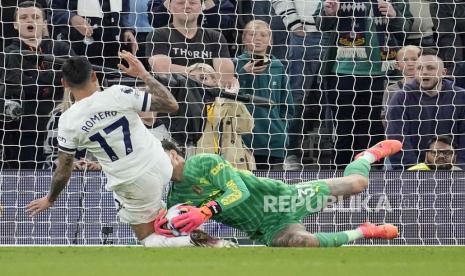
x=440, y=155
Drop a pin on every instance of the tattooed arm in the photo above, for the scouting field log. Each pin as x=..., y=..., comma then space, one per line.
x=162, y=99
x=59, y=180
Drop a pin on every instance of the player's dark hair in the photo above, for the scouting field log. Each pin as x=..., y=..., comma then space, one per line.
x=168, y=145
x=77, y=71
x=446, y=139
x=28, y=4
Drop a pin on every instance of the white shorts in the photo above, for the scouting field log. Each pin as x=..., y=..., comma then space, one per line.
x=139, y=202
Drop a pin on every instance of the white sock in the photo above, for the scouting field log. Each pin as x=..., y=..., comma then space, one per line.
x=154, y=240
x=354, y=234
x=370, y=157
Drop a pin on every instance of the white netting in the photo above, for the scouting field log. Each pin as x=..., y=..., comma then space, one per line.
x=316, y=97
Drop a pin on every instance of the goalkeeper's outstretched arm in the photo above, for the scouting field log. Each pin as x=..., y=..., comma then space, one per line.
x=59, y=180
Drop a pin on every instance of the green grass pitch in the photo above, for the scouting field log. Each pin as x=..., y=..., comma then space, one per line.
x=343, y=261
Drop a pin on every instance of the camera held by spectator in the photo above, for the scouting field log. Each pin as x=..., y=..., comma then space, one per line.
x=11, y=110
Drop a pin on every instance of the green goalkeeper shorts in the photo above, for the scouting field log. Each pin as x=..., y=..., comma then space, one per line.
x=294, y=203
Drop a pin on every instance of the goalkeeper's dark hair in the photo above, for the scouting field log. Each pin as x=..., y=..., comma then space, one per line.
x=77, y=71
x=29, y=4
x=168, y=145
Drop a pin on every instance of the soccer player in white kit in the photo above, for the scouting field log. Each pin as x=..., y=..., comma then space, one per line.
x=107, y=125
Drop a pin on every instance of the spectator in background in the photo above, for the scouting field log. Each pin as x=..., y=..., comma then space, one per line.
x=440, y=155
x=449, y=22
x=7, y=9
x=304, y=65
x=429, y=106
x=96, y=28
x=51, y=142
x=421, y=33
x=139, y=18
x=205, y=74
x=219, y=15
x=172, y=49
x=265, y=76
x=30, y=78
x=248, y=10
x=361, y=41
x=225, y=124
x=406, y=63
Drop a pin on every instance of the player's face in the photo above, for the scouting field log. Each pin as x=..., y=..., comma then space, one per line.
x=407, y=62
x=185, y=10
x=430, y=71
x=441, y=156
x=29, y=23
x=177, y=161
x=257, y=40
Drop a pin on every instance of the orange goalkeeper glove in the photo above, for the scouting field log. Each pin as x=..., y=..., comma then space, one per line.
x=195, y=217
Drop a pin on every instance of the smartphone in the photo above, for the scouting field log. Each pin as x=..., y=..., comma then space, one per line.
x=261, y=60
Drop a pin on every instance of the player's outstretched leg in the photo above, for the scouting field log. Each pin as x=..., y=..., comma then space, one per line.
x=295, y=235
x=355, y=178
x=380, y=150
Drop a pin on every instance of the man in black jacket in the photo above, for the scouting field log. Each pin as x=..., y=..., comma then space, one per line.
x=28, y=72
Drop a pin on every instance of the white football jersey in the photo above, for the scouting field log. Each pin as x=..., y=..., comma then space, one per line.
x=107, y=124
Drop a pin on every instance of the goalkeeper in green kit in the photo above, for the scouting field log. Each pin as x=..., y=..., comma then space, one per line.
x=267, y=210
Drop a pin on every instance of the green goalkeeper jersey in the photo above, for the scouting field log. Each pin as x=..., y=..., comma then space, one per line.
x=242, y=195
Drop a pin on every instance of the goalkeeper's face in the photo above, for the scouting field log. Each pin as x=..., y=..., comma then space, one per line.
x=177, y=161
x=30, y=23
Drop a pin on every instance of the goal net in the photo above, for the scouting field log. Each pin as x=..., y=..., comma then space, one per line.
x=290, y=89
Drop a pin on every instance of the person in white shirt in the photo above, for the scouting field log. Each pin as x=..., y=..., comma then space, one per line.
x=107, y=124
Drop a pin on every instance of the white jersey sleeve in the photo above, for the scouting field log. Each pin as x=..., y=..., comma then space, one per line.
x=67, y=136
x=132, y=98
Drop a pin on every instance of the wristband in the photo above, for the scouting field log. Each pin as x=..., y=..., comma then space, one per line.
x=214, y=207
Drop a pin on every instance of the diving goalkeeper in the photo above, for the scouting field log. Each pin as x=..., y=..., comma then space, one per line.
x=214, y=189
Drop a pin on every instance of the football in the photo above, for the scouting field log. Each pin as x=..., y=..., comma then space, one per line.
x=173, y=212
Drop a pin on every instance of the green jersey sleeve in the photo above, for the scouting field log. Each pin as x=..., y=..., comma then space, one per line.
x=225, y=177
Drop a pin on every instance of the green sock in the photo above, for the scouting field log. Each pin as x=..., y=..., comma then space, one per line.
x=360, y=166
x=338, y=238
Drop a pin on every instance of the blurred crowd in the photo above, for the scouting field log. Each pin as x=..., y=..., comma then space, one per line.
x=270, y=85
